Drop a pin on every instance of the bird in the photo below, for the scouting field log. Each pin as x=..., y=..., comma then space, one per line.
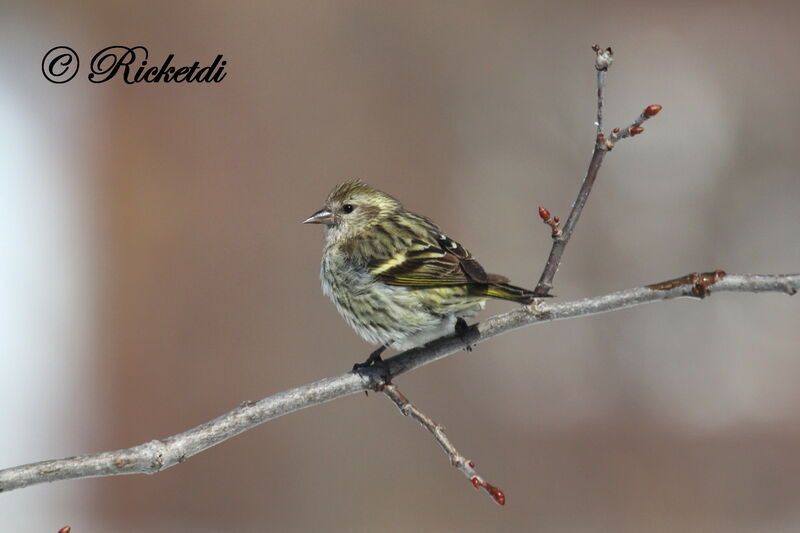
x=397, y=279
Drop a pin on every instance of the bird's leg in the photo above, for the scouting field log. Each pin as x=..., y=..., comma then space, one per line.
x=374, y=359
x=463, y=330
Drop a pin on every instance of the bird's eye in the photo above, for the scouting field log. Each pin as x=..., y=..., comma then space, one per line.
x=348, y=208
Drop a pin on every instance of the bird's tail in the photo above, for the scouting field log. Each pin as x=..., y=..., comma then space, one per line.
x=506, y=291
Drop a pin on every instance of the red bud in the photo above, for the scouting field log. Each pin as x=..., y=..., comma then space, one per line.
x=615, y=130
x=65, y=529
x=544, y=213
x=652, y=110
x=636, y=130
x=555, y=219
x=497, y=494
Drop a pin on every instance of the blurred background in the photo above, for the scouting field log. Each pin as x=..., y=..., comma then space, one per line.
x=154, y=272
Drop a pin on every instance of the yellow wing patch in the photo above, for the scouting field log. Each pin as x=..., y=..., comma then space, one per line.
x=390, y=263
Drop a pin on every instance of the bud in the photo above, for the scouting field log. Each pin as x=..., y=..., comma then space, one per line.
x=497, y=494
x=652, y=110
x=604, y=57
x=544, y=213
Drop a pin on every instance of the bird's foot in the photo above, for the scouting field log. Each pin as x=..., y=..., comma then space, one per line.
x=375, y=361
x=464, y=332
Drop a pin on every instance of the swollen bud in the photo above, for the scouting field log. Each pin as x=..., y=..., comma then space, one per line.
x=652, y=110
x=544, y=213
x=493, y=491
x=497, y=494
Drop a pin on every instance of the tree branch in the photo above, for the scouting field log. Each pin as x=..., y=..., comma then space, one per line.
x=466, y=466
x=154, y=456
x=602, y=145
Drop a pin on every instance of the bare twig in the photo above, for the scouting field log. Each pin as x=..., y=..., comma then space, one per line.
x=603, y=60
x=635, y=128
x=560, y=240
x=466, y=466
x=157, y=455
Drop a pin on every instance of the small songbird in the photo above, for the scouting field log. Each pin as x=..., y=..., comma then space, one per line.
x=394, y=276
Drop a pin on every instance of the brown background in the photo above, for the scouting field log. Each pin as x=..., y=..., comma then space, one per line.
x=188, y=283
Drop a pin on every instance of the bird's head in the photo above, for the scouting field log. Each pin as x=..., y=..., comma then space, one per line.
x=353, y=207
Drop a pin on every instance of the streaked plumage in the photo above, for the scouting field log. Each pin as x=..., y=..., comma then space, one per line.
x=394, y=276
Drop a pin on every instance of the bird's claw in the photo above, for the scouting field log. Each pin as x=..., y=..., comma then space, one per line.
x=375, y=361
x=462, y=330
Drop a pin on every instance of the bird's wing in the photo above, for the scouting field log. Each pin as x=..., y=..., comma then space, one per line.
x=433, y=261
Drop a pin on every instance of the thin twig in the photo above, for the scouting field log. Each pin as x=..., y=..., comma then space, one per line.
x=561, y=236
x=602, y=60
x=466, y=466
x=635, y=127
x=157, y=455
x=561, y=239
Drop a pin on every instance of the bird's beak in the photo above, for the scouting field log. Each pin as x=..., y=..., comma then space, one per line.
x=323, y=216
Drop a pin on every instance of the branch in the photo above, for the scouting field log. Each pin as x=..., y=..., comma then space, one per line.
x=466, y=466
x=157, y=455
x=602, y=60
x=602, y=145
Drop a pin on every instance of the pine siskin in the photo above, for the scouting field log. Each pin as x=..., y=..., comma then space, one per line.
x=393, y=275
